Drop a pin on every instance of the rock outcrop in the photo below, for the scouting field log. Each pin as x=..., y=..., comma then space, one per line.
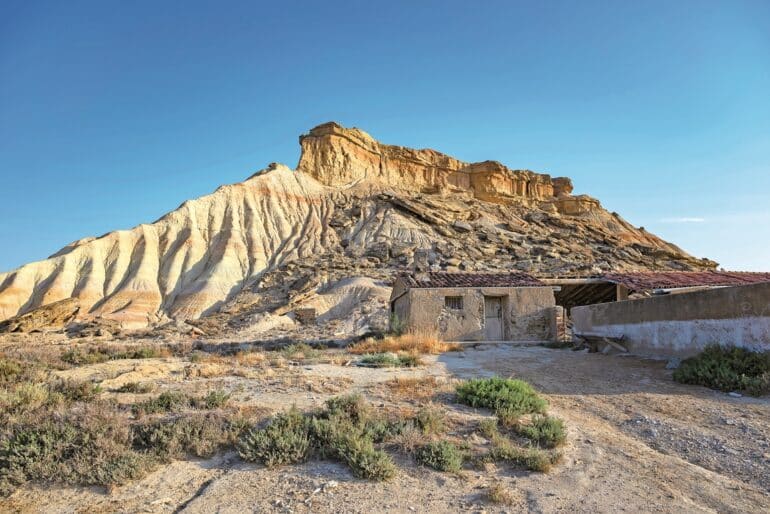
x=354, y=207
x=337, y=156
x=52, y=315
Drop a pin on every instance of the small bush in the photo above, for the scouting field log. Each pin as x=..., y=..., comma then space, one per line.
x=488, y=428
x=286, y=440
x=76, y=391
x=534, y=459
x=174, y=401
x=136, y=387
x=336, y=437
x=727, y=369
x=544, y=430
x=497, y=493
x=200, y=435
x=96, y=355
x=441, y=456
x=350, y=407
x=92, y=448
x=78, y=357
x=431, y=420
x=390, y=360
x=9, y=370
x=509, y=397
x=213, y=400
x=165, y=402
x=344, y=430
x=300, y=352
x=408, y=439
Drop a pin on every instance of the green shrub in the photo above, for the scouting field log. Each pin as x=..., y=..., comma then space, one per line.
x=351, y=407
x=544, y=430
x=510, y=398
x=365, y=461
x=75, y=391
x=200, y=435
x=300, y=351
x=286, y=440
x=395, y=326
x=534, y=459
x=167, y=401
x=344, y=430
x=431, y=420
x=173, y=401
x=213, y=400
x=390, y=360
x=78, y=357
x=9, y=370
x=136, y=387
x=488, y=428
x=441, y=456
x=96, y=355
x=88, y=449
x=727, y=369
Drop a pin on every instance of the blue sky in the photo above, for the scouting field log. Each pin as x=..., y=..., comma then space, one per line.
x=113, y=113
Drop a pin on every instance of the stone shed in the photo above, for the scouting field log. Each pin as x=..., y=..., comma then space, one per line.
x=475, y=306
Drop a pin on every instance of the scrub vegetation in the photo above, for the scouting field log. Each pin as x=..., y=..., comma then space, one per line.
x=727, y=368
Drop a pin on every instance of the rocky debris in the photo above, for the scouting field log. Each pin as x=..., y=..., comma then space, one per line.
x=52, y=316
x=96, y=327
x=731, y=457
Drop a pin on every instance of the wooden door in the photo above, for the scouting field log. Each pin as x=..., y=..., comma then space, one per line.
x=493, y=318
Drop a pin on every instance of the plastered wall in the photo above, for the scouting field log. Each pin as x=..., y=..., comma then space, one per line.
x=683, y=324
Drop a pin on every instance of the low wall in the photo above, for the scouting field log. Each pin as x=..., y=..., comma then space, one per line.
x=683, y=324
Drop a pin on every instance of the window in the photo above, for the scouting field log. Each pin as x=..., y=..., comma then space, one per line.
x=453, y=302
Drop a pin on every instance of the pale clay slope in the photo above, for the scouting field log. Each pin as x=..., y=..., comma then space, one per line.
x=187, y=262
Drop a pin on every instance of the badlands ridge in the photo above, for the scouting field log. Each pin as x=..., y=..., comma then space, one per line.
x=355, y=211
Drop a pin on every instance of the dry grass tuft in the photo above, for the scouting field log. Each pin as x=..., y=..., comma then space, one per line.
x=412, y=342
x=497, y=493
x=250, y=358
x=417, y=388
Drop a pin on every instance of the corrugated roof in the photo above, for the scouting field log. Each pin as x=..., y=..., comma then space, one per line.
x=442, y=279
x=647, y=280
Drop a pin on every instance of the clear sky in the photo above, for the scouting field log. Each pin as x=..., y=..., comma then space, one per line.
x=113, y=113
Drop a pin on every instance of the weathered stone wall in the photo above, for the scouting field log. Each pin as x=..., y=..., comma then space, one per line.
x=683, y=324
x=528, y=312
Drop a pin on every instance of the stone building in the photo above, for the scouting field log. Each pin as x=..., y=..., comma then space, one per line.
x=475, y=306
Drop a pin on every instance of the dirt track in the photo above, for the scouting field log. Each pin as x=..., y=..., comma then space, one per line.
x=638, y=442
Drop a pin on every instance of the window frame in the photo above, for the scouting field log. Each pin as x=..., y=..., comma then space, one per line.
x=453, y=303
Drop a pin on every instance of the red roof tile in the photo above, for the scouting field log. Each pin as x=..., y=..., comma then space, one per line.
x=647, y=280
x=441, y=279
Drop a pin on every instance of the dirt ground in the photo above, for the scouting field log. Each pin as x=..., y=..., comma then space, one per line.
x=638, y=442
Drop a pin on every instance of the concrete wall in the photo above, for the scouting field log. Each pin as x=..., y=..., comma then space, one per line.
x=683, y=324
x=528, y=312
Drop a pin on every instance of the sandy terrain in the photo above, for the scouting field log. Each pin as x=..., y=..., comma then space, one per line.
x=637, y=442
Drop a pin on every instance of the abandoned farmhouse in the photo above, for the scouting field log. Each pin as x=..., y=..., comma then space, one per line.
x=653, y=313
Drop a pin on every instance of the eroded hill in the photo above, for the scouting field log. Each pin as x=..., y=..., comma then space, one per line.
x=353, y=208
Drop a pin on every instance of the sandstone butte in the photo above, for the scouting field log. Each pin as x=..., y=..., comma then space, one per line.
x=348, y=195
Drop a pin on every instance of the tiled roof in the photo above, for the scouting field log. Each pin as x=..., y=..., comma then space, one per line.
x=647, y=280
x=441, y=279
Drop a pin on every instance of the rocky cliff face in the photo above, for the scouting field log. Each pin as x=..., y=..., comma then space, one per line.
x=337, y=156
x=354, y=207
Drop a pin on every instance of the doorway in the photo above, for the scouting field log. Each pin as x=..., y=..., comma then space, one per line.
x=493, y=318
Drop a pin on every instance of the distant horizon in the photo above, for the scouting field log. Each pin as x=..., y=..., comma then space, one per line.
x=113, y=115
